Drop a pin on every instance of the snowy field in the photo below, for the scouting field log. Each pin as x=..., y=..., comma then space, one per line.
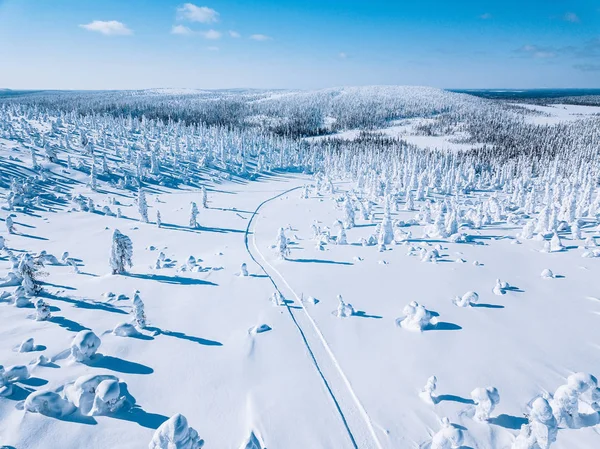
x=558, y=113
x=366, y=274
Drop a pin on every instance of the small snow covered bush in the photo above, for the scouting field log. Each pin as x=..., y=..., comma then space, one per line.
x=427, y=393
x=448, y=437
x=95, y=394
x=466, y=300
x=48, y=403
x=543, y=423
x=416, y=317
x=485, y=400
x=42, y=310
x=84, y=345
x=547, y=274
x=175, y=433
x=343, y=310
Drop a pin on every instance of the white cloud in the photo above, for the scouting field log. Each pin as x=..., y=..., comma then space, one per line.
x=537, y=52
x=108, y=28
x=485, y=16
x=182, y=30
x=571, y=17
x=211, y=34
x=234, y=34
x=343, y=55
x=260, y=37
x=193, y=13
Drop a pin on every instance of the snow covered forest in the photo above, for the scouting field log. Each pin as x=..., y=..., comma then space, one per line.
x=365, y=268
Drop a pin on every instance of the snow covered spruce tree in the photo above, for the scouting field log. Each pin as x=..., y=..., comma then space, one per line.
x=139, y=315
x=120, y=253
x=204, y=197
x=281, y=244
x=28, y=271
x=142, y=205
x=193, y=215
x=349, y=217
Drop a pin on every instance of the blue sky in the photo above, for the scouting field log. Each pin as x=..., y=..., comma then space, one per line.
x=118, y=44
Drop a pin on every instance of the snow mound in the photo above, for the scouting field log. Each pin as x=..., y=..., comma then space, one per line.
x=259, y=329
x=125, y=330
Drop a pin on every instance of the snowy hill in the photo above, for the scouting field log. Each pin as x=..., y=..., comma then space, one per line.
x=269, y=290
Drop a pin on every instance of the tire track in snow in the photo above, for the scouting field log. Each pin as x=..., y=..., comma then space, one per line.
x=354, y=417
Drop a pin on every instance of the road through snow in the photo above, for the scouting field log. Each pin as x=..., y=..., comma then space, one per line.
x=360, y=429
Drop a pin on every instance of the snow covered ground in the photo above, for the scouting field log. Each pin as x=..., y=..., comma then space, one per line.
x=406, y=130
x=268, y=360
x=558, y=113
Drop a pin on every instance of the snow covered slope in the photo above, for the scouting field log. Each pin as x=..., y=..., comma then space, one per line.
x=368, y=270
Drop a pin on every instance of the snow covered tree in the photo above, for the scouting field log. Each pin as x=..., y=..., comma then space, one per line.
x=142, y=205
x=349, y=219
x=93, y=177
x=281, y=244
x=29, y=273
x=555, y=243
x=121, y=253
x=158, y=219
x=139, y=315
x=10, y=227
x=204, y=197
x=193, y=215
x=34, y=163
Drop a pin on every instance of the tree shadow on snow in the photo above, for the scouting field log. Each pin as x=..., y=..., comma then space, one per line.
x=118, y=365
x=67, y=324
x=508, y=421
x=85, y=304
x=171, y=279
x=29, y=236
x=488, y=306
x=64, y=287
x=19, y=393
x=34, y=382
x=143, y=418
x=182, y=336
x=363, y=314
x=443, y=326
x=199, y=229
x=452, y=398
x=135, y=413
x=332, y=262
